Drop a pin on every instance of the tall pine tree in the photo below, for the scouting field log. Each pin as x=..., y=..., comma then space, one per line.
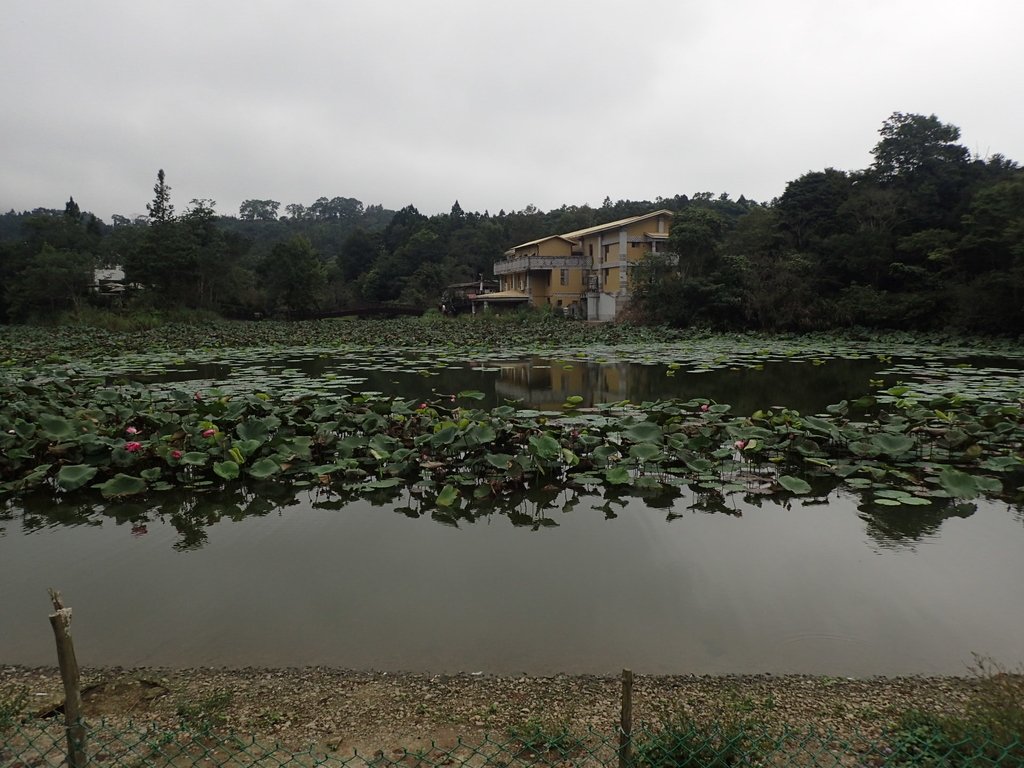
x=160, y=210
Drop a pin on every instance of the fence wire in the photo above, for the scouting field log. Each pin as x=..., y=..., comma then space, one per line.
x=922, y=742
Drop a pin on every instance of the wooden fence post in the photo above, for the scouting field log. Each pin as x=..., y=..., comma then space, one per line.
x=626, y=720
x=60, y=620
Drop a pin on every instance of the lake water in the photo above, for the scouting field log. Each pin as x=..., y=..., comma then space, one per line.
x=559, y=582
x=811, y=588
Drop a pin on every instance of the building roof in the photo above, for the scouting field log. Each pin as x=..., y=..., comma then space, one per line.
x=614, y=224
x=540, y=240
x=574, y=236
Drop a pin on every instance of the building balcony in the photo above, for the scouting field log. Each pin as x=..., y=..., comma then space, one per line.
x=515, y=264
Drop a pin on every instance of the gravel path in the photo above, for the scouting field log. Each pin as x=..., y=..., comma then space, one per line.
x=338, y=711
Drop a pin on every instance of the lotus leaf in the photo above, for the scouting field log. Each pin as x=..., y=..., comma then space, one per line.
x=121, y=485
x=617, y=476
x=644, y=432
x=545, y=446
x=892, y=445
x=644, y=452
x=264, y=468
x=448, y=495
x=958, y=484
x=56, y=427
x=73, y=476
x=794, y=485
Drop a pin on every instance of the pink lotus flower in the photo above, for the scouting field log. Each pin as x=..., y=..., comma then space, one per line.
x=423, y=407
x=704, y=408
x=740, y=444
x=131, y=431
x=175, y=454
x=209, y=432
x=132, y=447
x=198, y=396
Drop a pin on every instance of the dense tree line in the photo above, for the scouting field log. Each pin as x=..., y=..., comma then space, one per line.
x=332, y=253
x=926, y=237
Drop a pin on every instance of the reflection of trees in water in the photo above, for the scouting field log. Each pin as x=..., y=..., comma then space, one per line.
x=803, y=387
x=890, y=527
x=532, y=508
x=904, y=526
x=191, y=514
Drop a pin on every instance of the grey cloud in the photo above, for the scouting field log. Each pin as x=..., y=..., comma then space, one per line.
x=495, y=105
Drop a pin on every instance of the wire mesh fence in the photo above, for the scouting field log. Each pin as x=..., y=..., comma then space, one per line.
x=988, y=732
x=917, y=742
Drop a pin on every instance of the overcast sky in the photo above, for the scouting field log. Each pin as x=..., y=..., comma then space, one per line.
x=495, y=104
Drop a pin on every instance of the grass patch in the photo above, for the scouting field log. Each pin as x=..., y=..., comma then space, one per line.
x=989, y=732
x=205, y=714
x=681, y=740
x=539, y=736
x=135, y=319
x=12, y=704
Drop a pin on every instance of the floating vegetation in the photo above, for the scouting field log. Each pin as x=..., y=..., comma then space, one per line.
x=71, y=433
x=198, y=408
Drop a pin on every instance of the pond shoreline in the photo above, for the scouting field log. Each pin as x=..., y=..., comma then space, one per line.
x=342, y=710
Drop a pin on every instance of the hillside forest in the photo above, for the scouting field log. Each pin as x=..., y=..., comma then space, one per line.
x=927, y=237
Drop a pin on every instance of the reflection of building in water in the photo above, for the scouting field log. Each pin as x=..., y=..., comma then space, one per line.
x=545, y=384
x=584, y=273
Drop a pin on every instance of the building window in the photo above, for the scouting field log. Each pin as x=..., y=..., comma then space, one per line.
x=563, y=277
x=590, y=251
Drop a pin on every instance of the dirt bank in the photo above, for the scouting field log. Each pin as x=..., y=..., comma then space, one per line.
x=338, y=710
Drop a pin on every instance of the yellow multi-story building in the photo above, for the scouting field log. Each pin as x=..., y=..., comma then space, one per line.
x=585, y=272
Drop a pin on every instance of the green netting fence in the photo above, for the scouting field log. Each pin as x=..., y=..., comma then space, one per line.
x=38, y=743
x=990, y=734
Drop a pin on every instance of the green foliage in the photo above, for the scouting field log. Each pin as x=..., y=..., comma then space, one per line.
x=735, y=738
x=54, y=281
x=990, y=732
x=69, y=428
x=160, y=210
x=794, y=485
x=914, y=143
x=12, y=704
x=926, y=238
x=294, y=278
x=134, y=320
x=258, y=210
x=540, y=736
x=205, y=714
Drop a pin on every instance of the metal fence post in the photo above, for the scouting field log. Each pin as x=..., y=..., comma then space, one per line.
x=626, y=720
x=60, y=620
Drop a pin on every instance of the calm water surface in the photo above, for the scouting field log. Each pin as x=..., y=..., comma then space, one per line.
x=810, y=588
x=539, y=382
x=557, y=584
